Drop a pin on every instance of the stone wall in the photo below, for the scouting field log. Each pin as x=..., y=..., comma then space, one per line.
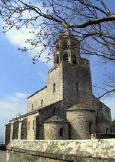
x=72, y=82
x=31, y=126
x=103, y=119
x=44, y=114
x=82, y=122
x=113, y=128
x=14, y=156
x=34, y=101
x=47, y=96
x=77, y=83
x=55, y=76
x=74, y=151
x=56, y=130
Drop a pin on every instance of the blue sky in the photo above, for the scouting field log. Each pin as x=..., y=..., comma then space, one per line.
x=19, y=77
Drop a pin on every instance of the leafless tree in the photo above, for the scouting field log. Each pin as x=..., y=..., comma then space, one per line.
x=91, y=21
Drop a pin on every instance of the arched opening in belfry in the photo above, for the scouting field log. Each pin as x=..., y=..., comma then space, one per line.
x=65, y=57
x=74, y=59
x=57, y=46
x=61, y=132
x=57, y=60
x=65, y=45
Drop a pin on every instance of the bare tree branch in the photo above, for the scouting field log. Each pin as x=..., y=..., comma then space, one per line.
x=106, y=93
x=92, y=22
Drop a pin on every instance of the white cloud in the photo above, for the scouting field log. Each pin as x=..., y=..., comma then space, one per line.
x=17, y=97
x=13, y=99
x=21, y=95
x=18, y=37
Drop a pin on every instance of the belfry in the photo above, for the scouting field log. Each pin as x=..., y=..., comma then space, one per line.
x=67, y=48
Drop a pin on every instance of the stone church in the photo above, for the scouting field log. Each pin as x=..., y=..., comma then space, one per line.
x=65, y=108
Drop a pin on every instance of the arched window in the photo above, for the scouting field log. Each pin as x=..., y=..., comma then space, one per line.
x=54, y=88
x=54, y=110
x=32, y=106
x=42, y=102
x=90, y=125
x=107, y=130
x=65, y=57
x=61, y=132
x=74, y=59
x=77, y=87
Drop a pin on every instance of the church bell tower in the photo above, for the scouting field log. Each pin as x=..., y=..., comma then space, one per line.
x=67, y=48
x=76, y=74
